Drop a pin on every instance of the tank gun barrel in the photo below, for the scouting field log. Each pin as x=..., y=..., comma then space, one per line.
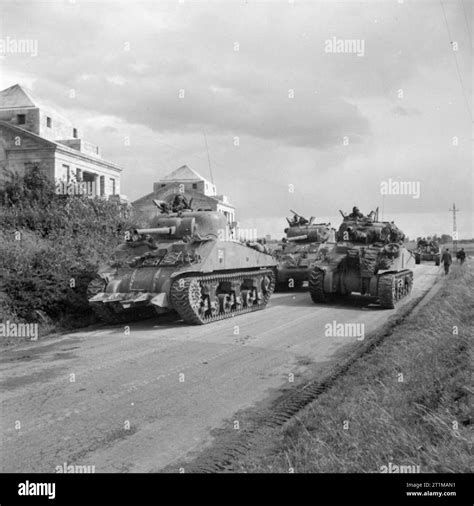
x=298, y=237
x=159, y=230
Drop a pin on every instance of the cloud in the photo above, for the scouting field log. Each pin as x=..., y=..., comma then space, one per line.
x=352, y=122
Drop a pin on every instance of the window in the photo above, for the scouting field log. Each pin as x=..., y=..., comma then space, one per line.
x=102, y=185
x=21, y=118
x=74, y=133
x=66, y=173
x=195, y=186
x=112, y=185
x=48, y=122
x=163, y=185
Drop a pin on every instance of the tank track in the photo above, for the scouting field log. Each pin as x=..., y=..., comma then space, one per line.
x=316, y=285
x=393, y=287
x=186, y=296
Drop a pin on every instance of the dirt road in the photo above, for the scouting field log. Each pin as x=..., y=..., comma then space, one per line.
x=141, y=400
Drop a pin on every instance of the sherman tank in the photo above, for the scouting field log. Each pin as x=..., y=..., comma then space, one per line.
x=299, y=249
x=369, y=258
x=185, y=263
x=427, y=251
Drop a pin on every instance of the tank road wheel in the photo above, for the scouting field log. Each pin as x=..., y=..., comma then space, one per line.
x=316, y=285
x=248, y=297
x=214, y=306
x=226, y=302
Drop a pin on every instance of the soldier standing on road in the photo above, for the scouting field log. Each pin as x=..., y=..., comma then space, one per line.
x=447, y=260
x=461, y=255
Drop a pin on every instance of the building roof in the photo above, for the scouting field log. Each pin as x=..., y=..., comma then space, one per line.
x=184, y=173
x=59, y=147
x=195, y=194
x=16, y=97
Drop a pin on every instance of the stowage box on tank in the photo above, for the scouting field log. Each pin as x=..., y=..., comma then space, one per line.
x=369, y=258
x=181, y=264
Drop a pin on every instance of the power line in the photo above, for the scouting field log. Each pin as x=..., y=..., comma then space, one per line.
x=467, y=24
x=456, y=61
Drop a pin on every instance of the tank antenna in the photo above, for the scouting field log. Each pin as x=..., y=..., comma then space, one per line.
x=208, y=157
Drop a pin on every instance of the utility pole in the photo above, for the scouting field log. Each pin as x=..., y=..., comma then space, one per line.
x=455, y=232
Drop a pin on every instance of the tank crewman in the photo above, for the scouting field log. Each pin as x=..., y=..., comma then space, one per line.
x=179, y=203
x=461, y=255
x=294, y=221
x=302, y=221
x=447, y=260
x=356, y=214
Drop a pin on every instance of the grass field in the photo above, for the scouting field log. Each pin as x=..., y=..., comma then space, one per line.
x=407, y=403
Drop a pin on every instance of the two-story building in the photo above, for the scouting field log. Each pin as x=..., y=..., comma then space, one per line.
x=193, y=186
x=34, y=135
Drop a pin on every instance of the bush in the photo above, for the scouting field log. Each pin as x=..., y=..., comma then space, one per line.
x=51, y=247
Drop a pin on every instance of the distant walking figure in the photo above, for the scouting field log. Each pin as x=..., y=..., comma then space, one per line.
x=461, y=255
x=447, y=260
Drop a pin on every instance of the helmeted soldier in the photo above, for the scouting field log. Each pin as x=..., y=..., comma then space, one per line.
x=302, y=221
x=356, y=214
x=179, y=203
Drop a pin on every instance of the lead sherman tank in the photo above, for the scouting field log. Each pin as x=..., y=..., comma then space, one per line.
x=182, y=264
x=369, y=258
x=299, y=250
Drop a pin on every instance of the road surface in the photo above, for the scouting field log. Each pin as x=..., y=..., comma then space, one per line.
x=140, y=401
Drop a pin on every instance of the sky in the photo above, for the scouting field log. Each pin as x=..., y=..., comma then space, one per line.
x=295, y=114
